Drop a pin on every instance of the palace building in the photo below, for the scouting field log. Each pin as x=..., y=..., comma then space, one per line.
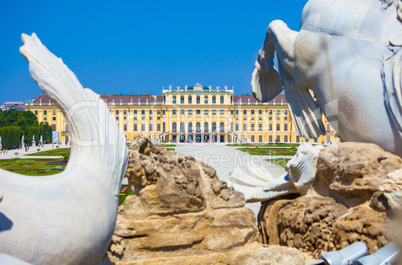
x=195, y=113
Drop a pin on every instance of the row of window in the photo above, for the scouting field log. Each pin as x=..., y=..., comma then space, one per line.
x=45, y=112
x=206, y=127
x=198, y=99
x=214, y=111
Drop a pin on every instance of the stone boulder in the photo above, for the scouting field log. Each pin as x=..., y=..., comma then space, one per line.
x=353, y=197
x=182, y=214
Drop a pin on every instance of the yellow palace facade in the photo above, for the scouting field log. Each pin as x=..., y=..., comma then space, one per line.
x=191, y=114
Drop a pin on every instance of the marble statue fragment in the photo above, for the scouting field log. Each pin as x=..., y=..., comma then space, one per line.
x=257, y=184
x=346, y=63
x=68, y=218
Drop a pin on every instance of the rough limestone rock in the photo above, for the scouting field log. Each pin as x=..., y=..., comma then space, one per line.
x=356, y=191
x=352, y=172
x=182, y=214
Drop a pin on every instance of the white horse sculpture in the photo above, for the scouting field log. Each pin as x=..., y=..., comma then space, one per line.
x=344, y=62
x=67, y=218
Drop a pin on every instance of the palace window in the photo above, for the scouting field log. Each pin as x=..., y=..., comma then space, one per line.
x=270, y=118
x=54, y=127
x=198, y=126
x=278, y=127
x=222, y=126
x=54, y=112
x=231, y=126
x=174, y=112
x=117, y=112
x=164, y=112
x=135, y=127
x=163, y=127
x=252, y=112
x=143, y=127
x=198, y=100
x=270, y=127
x=190, y=127
x=222, y=99
x=206, y=126
x=278, y=112
x=174, y=126
x=150, y=118
x=181, y=126
x=244, y=126
x=125, y=127
x=150, y=112
x=214, y=112
x=260, y=127
x=135, y=112
x=124, y=112
x=214, y=127
x=270, y=112
x=285, y=127
x=117, y=118
x=54, y=118
x=260, y=138
x=190, y=99
x=285, y=112
x=45, y=112
x=237, y=127
x=328, y=128
x=244, y=112
x=174, y=99
x=222, y=112
x=182, y=99
x=252, y=138
x=285, y=138
x=142, y=112
x=158, y=127
x=260, y=112
x=278, y=137
x=158, y=112
x=198, y=112
x=206, y=112
x=182, y=112
x=213, y=99
x=190, y=112
x=151, y=127
x=237, y=112
x=206, y=99
x=252, y=127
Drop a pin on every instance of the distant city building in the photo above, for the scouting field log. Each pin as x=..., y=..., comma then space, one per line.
x=195, y=113
x=18, y=105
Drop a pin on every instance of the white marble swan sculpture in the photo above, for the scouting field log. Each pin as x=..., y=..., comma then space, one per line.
x=66, y=218
x=344, y=62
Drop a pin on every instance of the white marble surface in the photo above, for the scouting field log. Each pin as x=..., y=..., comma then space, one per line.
x=344, y=62
x=66, y=218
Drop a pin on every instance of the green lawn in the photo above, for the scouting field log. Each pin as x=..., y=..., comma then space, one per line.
x=53, y=152
x=33, y=167
x=270, y=151
x=264, y=145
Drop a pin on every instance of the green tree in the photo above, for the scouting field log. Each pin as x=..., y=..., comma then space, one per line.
x=12, y=117
x=30, y=118
x=3, y=121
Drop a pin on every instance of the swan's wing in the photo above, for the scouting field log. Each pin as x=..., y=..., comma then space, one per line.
x=97, y=144
x=265, y=81
x=305, y=112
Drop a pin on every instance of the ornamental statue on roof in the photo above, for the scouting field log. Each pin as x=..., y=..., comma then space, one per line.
x=198, y=87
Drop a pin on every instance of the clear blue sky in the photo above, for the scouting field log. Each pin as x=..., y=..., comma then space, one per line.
x=139, y=46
